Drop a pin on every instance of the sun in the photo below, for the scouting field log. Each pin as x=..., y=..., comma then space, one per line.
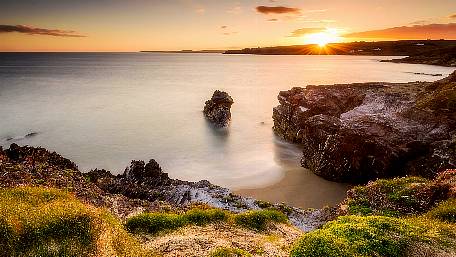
x=323, y=38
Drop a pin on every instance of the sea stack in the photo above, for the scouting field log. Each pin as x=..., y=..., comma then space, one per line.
x=217, y=109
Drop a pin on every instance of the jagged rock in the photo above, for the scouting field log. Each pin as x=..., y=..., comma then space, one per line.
x=150, y=174
x=217, y=109
x=358, y=132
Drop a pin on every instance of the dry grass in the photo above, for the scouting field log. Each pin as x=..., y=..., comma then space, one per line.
x=202, y=241
x=49, y=222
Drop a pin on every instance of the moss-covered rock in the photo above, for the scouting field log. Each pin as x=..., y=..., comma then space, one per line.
x=400, y=196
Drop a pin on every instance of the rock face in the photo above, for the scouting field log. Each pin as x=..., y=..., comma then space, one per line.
x=358, y=132
x=217, y=109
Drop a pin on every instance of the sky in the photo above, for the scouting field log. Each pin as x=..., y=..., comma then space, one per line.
x=134, y=25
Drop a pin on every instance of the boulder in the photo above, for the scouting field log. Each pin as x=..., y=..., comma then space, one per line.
x=217, y=109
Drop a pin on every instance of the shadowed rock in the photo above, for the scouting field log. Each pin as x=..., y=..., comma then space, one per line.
x=217, y=109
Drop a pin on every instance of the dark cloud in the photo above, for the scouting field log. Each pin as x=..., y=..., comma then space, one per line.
x=303, y=31
x=428, y=31
x=273, y=20
x=452, y=16
x=38, y=31
x=277, y=10
x=224, y=27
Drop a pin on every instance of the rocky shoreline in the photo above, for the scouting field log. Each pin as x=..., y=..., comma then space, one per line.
x=359, y=132
x=142, y=187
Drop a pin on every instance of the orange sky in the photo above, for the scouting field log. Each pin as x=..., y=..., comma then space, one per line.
x=119, y=25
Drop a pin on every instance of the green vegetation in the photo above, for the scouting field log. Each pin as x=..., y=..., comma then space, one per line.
x=442, y=96
x=391, y=197
x=50, y=222
x=263, y=204
x=154, y=223
x=373, y=236
x=258, y=220
x=445, y=211
x=229, y=252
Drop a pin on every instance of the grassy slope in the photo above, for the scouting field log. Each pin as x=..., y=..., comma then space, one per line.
x=391, y=217
x=50, y=222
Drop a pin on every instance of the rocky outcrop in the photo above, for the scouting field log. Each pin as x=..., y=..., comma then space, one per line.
x=218, y=108
x=141, y=187
x=358, y=132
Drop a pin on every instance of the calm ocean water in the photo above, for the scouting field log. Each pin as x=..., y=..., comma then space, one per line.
x=103, y=110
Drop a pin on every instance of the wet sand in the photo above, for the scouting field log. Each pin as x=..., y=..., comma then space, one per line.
x=299, y=187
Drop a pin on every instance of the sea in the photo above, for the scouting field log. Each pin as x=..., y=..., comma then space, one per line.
x=102, y=110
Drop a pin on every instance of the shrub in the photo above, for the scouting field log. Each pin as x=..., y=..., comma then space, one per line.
x=229, y=252
x=371, y=236
x=258, y=220
x=445, y=211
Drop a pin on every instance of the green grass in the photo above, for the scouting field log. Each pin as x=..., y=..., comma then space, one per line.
x=154, y=223
x=49, y=222
x=373, y=236
x=229, y=252
x=259, y=220
x=445, y=211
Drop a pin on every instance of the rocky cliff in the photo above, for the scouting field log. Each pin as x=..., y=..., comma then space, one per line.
x=358, y=132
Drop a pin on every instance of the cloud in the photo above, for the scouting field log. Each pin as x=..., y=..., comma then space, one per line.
x=428, y=31
x=223, y=27
x=235, y=10
x=200, y=10
x=38, y=31
x=277, y=9
x=453, y=16
x=304, y=31
x=273, y=20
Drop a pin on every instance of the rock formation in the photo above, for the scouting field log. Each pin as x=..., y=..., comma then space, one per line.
x=217, y=109
x=142, y=187
x=358, y=132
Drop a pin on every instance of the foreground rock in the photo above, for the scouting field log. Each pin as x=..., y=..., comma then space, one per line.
x=217, y=109
x=142, y=187
x=358, y=132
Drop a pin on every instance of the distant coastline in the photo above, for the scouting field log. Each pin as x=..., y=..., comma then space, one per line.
x=380, y=48
x=188, y=52
x=432, y=52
